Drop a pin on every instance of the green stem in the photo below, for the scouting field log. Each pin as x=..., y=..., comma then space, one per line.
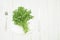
x=25, y=27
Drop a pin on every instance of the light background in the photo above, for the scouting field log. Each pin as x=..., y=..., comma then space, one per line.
x=44, y=26
x=13, y=31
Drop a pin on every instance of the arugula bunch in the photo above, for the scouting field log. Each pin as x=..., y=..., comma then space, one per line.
x=21, y=16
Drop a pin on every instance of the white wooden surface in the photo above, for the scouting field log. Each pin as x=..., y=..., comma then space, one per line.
x=45, y=25
x=50, y=16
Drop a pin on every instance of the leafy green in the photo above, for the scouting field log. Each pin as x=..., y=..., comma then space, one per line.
x=21, y=16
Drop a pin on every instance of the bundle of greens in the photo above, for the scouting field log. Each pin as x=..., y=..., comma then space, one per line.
x=21, y=16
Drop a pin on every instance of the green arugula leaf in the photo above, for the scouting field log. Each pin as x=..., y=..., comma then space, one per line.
x=21, y=16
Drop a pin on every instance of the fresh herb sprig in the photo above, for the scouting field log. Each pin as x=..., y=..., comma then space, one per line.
x=21, y=16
